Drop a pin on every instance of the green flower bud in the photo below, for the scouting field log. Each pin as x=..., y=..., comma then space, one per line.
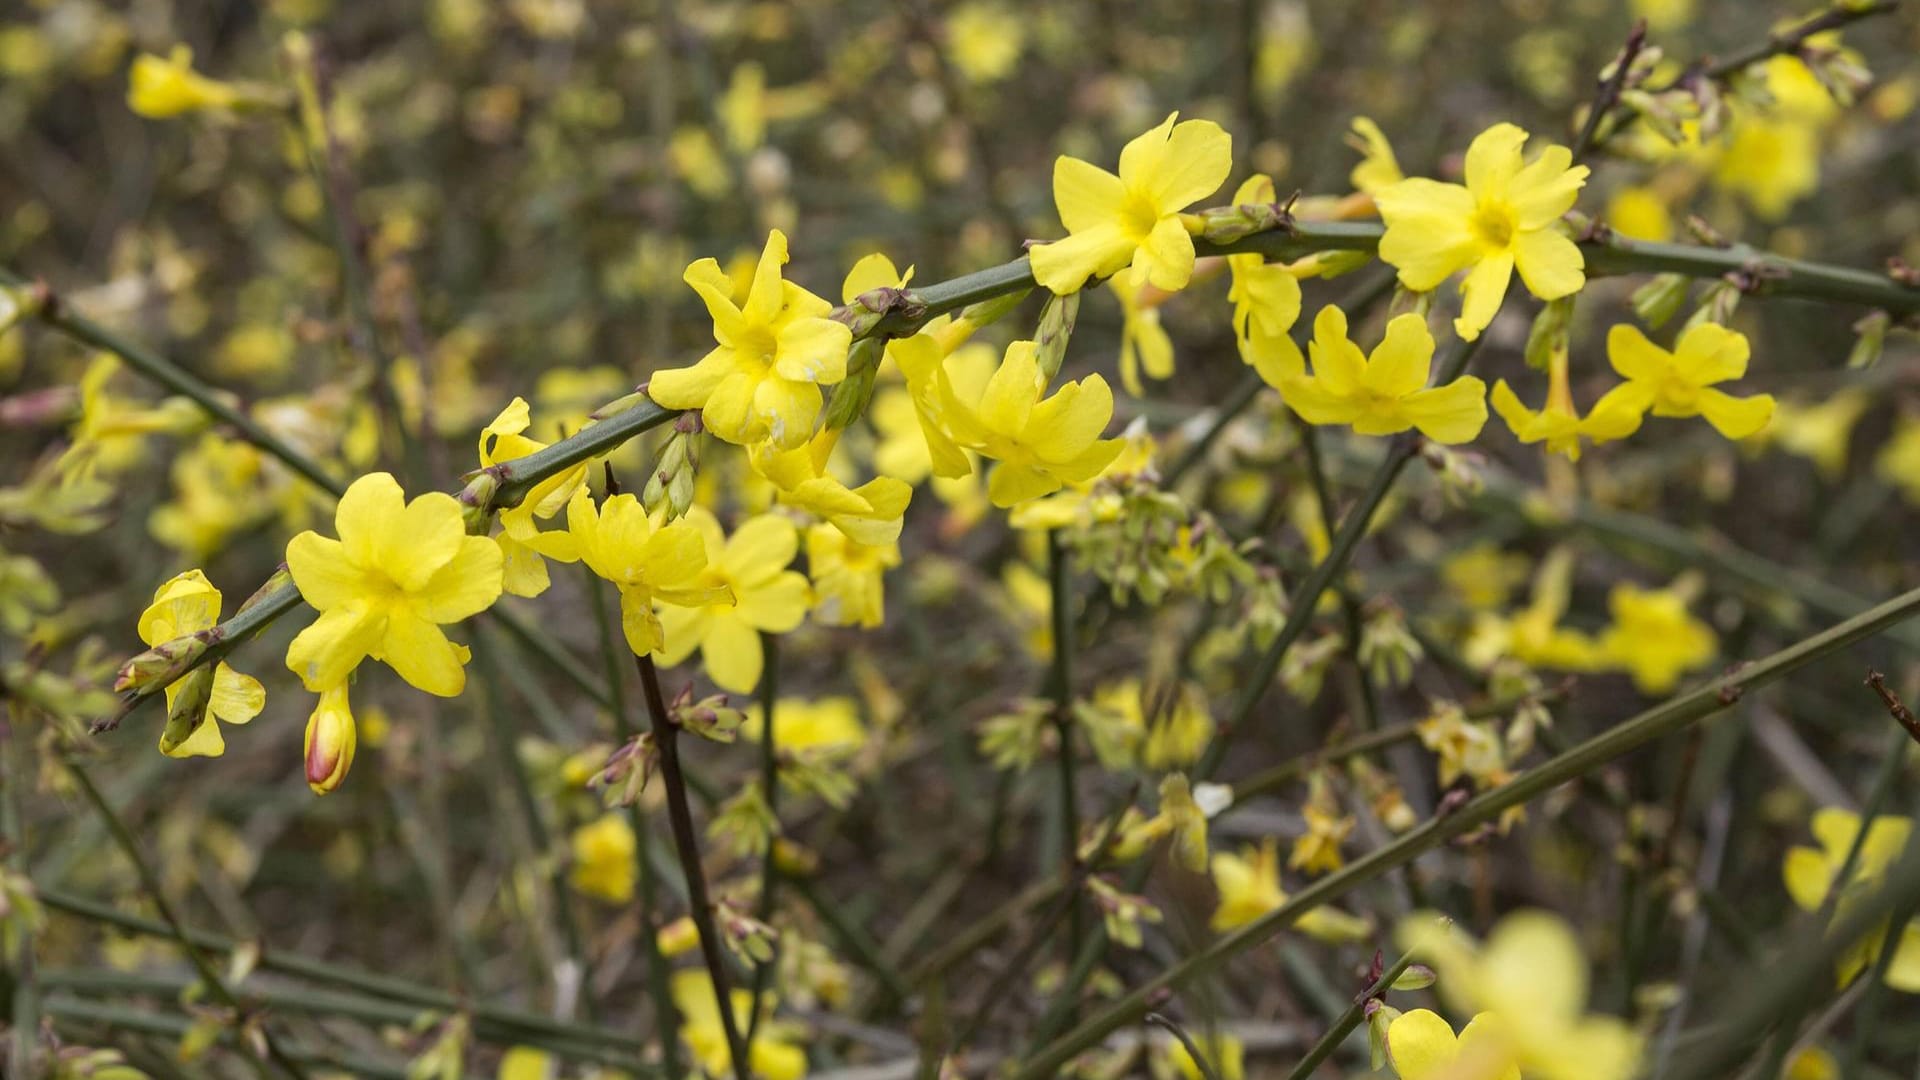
x=1660, y=298
x=189, y=708
x=1055, y=330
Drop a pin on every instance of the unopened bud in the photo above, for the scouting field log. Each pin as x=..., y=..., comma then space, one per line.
x=1225, y=224
x=476, y=501
x=1871, y=339
x=678, y=937
x=1055, y=330
x=165, y=663
x=331, y=738
x=1660, y=298
x=989, y=311
x=868, y=310
x=188, y=709
x=852, y=395
x=618, y=405
x=1549, y=333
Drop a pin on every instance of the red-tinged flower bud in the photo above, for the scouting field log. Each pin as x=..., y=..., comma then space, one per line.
x=330, y=741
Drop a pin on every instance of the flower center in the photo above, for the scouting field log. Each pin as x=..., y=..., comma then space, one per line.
x=1493, y=224
x=1139, y=216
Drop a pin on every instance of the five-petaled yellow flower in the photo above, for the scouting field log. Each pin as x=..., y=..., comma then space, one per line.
x=1503, y=219
x=1653, y=636
x=1132, y=221
x=1041, y=444
x=187, y=604
x=1559, y=423
x=619, y=542
x=1811, y=872
x=1681, y=383
x=767, y=598
x=398, y=572
x=1386, y=392
x=773, y=353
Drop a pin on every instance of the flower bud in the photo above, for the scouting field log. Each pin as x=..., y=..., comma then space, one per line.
x=1660, y=298
x=1549, y=333
x=331, y=738
x=853, y=393
x=165, y=663
x=618, y=405
x=872, y=307
x=1056, y=328
x=1871, y=340
x=476, y=502
x=989, y=311
x=187, y=708
x=1225, y=224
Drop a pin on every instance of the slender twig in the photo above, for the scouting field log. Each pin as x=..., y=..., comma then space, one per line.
x=150, y=884
x=770, y=793
x=120, y=1020
x=1665, y=719
x=1795, y=38
x=1061, y=588
x=13, y=847
x=666, y=1015
x=1895, y=707
x=666, y=742
x=1173, y=1028
x=1350, y=1019
x=1607, y=94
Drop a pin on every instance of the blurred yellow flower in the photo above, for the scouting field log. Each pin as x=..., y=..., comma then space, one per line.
x=1531, y=974
x=603, y=854
x=1143, y=341
x=1559, y=423
x=1810, y=874
x=777, y=1052
x=849, y=578
x=1653, y=637
x=1377, y=168
x=1249, y=887
x=1899, y=460
x=1422, y=1046
x=163, y=87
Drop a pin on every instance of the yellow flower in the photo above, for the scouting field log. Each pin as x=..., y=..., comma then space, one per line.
x=1820, y=432
x=1423, y=1047
x=330, y=740
x=1482, y=575
x=930, y=360
x=1181, y=725
x=1504, y=219
x=219, y=491
x=767, y=598
x=1653, y=637
x=829, y=725
x=1181, y=816
x=187, y=604
x=1681, y=383
x=163, y=87
x=111, y=434
x=524, y=549
x=849, y=578
x=1534, y=635
x=1377, y=169
x=742, y=110
x=1132, y=221
x=1640, y=213
x=1249, y=887
x=1266, y=302
x=1769, y=162
x=1559, y=423
x=1531, y=974
x=1097, y=498
x=1317, y=850
x=1810, y=874
x=762, y=380
x=1143, y=341
x=399, y=571
x=984, y=41
x=1899, y=460
x=527, y=1063
x=618, y=542
x=1386, y=392
x=603, y=854
x=777, y=1052
x=1041, y=444
x=870, y=514
x=1464, y=747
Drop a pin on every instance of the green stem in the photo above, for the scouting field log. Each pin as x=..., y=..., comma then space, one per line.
x=687, y=845
x=1061, y=587
x=150, y=884
x=13, y=836
x=118, y=1019
x=1655, y=723
x=1348, y=1020
x=770, y=792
